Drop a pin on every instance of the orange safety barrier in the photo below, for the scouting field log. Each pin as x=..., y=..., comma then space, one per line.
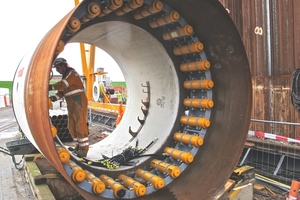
x=120, y=114
x=294, y=191
x=5, y=101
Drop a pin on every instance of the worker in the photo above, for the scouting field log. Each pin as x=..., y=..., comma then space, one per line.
x=120, y=97
x=71, y=88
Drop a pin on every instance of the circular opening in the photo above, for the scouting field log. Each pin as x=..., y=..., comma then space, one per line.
x=150, y=79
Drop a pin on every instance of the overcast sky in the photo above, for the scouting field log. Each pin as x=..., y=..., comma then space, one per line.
x=25, y=22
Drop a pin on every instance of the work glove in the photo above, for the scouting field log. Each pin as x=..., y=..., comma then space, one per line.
x=50, y=87
x=53, y=98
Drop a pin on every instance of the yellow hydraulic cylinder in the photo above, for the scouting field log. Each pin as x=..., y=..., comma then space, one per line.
x=98, y=185
x=133, y=4
x=186, y=30
x=201, y=65
x=78, y=174
x=116, y=187
x=73, y=25
x=50, y=104
x=137, y=187
x=185, y=138
x=92, y=11
x=171, y=17
x=53, y=131
x=195, y=121
x=185, y=157
x=163, y=167
x=155, y=7
x=187, y=49
x=198, y=103
x=205, y=84
x=114, y=5
x=63, y=154
x=59, y=47
x=155, y=180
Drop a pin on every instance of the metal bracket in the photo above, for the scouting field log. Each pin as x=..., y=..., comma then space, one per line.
x=144, y=108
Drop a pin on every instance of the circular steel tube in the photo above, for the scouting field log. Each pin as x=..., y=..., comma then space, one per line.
x=230, y=116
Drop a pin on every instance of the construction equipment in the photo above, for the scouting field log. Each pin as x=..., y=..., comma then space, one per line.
x=18, y=147
x=159, y=76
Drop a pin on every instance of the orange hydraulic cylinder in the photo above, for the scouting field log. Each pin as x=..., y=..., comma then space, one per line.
x=93, y=10
x=201, y=65
x=195, y=121
x=155, y=7
x=185, y=138
x=198, y=103
x=53, y=131
x=178, y=32
x=205, y=84
x=78, y=174
x=137, y=187
x=155, y=180
x=185, y=157
x=171, y=17
x=63, y=154
x=133, y=4
x=73, y=25
x=59, y=47
x=114, y=5
x=187, y=49
x=98, y=185
x=116, y=187
x=50, y=104
x=163, y=167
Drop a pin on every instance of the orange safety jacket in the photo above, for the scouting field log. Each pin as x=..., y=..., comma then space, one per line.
x=70, y=84
x=71, y=87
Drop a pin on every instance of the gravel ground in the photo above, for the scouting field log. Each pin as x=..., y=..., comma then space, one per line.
x=13, y=184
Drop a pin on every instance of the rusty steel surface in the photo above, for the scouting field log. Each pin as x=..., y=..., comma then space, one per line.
x=271, y=34
x=232, y=94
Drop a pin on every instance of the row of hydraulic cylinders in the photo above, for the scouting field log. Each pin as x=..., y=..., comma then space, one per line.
x=197, y=103
x=94, y=10
x=124, y=182
x=119, y=8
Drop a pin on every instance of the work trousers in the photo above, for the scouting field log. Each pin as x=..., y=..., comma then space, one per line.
x=77, y=120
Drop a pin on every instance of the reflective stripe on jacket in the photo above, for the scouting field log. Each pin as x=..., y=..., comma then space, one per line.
x=70, y=84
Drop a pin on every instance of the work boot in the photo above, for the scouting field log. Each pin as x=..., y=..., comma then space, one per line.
x=74, y=149
x=82, y=151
